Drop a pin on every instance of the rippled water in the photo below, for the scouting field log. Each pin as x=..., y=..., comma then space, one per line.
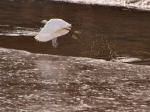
x=103, y=32
x=44, y=83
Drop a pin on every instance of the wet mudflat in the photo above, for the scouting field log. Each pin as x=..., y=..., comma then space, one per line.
x=46, y=83
x=103, y=32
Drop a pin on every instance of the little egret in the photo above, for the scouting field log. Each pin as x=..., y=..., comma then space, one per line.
x=53, y=29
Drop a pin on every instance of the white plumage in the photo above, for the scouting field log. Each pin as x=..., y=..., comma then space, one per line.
x=53, y=28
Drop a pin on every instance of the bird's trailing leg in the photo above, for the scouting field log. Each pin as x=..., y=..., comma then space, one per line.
x=54, y=43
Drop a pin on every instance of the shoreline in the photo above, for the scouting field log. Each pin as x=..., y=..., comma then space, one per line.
x=109, y=4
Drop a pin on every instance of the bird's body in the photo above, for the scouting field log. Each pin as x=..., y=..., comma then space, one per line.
x=53, y=28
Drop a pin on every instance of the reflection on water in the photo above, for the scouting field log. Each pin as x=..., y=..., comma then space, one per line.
x=104, y=32
x=6, y=30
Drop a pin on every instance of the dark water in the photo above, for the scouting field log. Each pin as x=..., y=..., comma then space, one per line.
x=104, y=32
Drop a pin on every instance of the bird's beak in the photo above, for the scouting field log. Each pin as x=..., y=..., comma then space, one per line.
x=68, y=28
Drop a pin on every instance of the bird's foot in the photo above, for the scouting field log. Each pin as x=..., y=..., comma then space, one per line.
x=55, y=43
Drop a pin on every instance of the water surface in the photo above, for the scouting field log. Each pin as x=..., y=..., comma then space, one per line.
x=103, y=32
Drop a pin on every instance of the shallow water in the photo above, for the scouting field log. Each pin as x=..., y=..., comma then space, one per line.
x=46, y=83
x=103, y=32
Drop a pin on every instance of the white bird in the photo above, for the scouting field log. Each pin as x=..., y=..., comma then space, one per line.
x=53, y=28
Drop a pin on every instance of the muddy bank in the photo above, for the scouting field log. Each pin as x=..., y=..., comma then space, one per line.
x=135, y=4
x=45, y=83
